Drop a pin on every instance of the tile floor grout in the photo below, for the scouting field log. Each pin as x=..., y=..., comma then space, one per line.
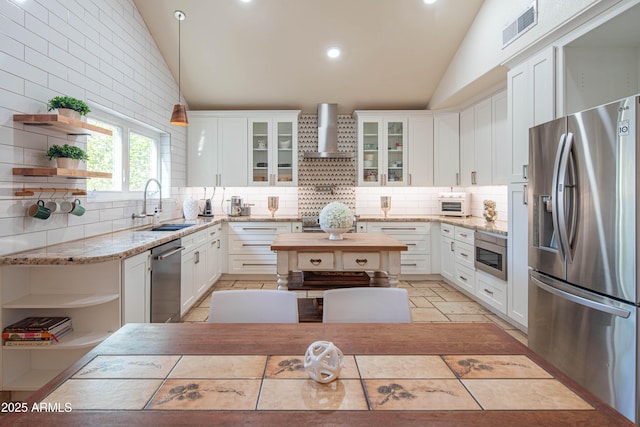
x=431, y=301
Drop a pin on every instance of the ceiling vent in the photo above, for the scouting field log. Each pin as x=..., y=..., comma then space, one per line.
x=522, y=24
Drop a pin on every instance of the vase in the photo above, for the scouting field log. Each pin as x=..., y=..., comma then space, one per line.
x=67, y=163
x=68, y=112
x=190, y=209
x=335, y=233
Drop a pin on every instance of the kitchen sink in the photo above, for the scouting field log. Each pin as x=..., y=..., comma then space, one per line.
x=171, y=227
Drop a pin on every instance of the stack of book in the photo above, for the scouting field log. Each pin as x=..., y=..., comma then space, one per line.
x=36, y=331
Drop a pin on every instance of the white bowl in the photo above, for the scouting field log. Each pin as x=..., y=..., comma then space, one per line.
x=368, y=163
x=285, y=144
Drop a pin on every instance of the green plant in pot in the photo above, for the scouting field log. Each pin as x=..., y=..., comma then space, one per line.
x=67, y=106
x=67, y=156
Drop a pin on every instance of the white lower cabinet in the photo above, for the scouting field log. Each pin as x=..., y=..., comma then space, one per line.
x=89, y=294
x=456, y=262
x=447, y=258
x=249, y=246
x=136, y=288
x=417, y=236
x=492, y=291
x=194, y=279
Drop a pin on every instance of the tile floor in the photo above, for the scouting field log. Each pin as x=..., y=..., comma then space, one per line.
x=431, y=301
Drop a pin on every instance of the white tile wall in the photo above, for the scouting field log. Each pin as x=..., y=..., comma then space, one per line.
x=96, y=50
x=423, y=200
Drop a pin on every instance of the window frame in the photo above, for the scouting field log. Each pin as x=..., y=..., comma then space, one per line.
x=127, y=126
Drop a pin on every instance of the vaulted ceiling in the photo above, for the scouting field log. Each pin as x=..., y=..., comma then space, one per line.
x=270, y=54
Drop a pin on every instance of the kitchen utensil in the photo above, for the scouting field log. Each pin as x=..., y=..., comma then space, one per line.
x=246, y=209
x=78, y=209
x=38, y=210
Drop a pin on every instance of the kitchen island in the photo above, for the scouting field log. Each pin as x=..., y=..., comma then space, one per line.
x=355, y=252
x=252, y=374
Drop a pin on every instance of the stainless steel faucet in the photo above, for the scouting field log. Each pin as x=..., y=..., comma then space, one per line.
x=144, y=202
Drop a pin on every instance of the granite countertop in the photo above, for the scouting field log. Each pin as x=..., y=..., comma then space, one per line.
x=126, y=243
x=475, y=223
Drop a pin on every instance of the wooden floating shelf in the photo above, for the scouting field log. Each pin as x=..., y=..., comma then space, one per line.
x=33, y=190
x=67, y=173
x=61, y=124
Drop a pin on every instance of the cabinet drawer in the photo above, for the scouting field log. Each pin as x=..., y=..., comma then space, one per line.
x=492, y=291
x=399, y=228
x=214, y=232
x=465, y=278
x=465, y=235
x=415, y=264
x=361, y=260
x=418, y=245
x=464, y=254
x=447, y=230
x=194, y=239
x=250, y=245
x=272, y=228
x=316, y=261
x=252, y=264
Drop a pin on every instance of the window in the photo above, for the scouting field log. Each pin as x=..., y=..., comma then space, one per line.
x=131, y=155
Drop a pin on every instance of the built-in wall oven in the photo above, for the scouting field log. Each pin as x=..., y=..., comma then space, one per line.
x=491, y=254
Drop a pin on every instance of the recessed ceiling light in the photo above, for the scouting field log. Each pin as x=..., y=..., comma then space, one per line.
x=246, y=1
x=429, y=1
x=333, y=52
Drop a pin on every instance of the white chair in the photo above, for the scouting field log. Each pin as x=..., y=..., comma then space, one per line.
x=253, y=306
x=366, y=305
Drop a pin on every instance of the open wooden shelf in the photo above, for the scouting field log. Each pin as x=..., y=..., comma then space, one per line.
x=67, y=173
x=61, y=124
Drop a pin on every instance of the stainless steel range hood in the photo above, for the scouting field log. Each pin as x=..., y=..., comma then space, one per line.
x=328, y=135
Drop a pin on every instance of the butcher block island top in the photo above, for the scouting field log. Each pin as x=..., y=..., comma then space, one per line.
x=350, y=242
x=395, y=374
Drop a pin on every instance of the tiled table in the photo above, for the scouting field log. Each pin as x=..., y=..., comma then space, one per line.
x=396, y=374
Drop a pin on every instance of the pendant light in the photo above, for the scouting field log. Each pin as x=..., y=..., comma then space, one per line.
x=179, y=116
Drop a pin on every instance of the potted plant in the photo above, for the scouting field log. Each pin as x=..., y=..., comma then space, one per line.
x=67, y=156
x=67, y=106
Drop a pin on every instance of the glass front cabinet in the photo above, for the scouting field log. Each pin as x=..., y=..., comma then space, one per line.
x=382, y=151
x=273, y=150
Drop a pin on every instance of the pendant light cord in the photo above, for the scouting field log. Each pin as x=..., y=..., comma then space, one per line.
x=179, y=56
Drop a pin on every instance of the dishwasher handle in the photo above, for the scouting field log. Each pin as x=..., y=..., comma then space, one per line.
x=169, y=253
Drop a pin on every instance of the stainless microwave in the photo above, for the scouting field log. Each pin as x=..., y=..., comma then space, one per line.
x=454, y=204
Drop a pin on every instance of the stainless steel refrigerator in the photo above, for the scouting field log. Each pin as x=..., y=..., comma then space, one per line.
x=583, y=249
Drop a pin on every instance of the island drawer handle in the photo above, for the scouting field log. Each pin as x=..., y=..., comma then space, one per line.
x=488, y=291
x=362, y=261
x=315, y=261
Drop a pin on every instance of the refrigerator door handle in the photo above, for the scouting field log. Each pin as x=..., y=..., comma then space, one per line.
x=554, y=190
x=580, y=300
x=561, y=191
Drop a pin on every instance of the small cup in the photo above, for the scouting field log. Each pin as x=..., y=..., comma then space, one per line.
x=38, y=210
x=66, y=206
x=78, y=209
x=52, y=205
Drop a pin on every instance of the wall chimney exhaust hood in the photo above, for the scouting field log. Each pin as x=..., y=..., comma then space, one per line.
x=328, y=135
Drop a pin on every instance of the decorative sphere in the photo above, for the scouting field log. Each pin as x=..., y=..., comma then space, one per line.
x=323, y=361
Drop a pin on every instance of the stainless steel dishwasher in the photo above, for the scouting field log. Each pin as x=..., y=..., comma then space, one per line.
x=166, y=262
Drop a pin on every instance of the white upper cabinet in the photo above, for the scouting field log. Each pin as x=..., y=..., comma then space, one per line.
x=216, y=150
x=273, y=150
x=501, y=158
x=482, y=142
x=420, y=150
x=446, y=150
x=531, y=100
x=382, y=149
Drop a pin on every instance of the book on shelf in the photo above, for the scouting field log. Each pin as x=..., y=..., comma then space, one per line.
x=36, y=343
x=40, y=324
x=36, y=336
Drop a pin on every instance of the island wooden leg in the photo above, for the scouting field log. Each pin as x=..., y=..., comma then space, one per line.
x=394, y=269
x=283, y=270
